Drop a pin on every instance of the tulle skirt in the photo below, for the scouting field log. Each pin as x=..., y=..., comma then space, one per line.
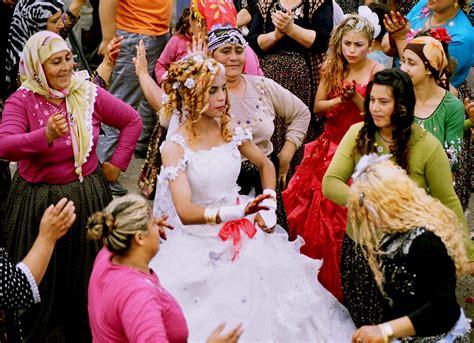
x=269, y=287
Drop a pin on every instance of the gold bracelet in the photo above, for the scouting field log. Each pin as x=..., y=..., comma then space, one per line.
x=210, y=215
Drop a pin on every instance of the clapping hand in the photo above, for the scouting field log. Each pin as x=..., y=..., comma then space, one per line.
x=348, y=90
x=282, y=21
x=232, y=337
x=57, y=127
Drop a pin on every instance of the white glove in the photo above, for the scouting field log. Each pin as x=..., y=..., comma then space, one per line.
x=269, y=216
x=227, y=213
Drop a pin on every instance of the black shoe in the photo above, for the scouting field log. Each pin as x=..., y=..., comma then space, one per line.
x=140, y=154
x=117, y=189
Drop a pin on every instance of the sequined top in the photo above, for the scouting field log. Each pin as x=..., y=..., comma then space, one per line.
x=420, y=279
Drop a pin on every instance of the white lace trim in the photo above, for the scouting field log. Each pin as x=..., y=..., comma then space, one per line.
x=31, y=280
x=91, y=95
x=241, y=135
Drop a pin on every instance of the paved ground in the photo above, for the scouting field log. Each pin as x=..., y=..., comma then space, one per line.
x=465, y=287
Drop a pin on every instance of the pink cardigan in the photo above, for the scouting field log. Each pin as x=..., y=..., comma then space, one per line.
x=23, y=136
x=175, y=49
x=127, y=305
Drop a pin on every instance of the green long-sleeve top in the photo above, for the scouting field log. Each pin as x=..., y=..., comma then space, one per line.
x=446, y=123
x=428, y=167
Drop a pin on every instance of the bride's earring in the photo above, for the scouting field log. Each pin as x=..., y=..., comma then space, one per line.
x=456, y=4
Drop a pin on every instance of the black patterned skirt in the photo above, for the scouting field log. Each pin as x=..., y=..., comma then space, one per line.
x=62, y=314
x=362, y=296
x=463, y=174
x=300, y=75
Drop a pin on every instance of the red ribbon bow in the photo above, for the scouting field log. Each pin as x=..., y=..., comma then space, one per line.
x=231, y=229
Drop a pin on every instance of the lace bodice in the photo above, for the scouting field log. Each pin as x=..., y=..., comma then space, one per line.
x=212, y=176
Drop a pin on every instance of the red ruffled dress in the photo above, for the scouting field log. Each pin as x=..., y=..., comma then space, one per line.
x=318, y=220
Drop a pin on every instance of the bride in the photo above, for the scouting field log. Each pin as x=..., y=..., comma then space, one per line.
x=226, y=260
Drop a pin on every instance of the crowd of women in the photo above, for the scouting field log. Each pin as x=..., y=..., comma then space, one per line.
x=309, y=178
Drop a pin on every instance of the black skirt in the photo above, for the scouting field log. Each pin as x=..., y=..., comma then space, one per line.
x=362, y=296
x=62, y=313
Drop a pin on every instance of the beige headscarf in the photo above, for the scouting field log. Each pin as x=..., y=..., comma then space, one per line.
x=80, y=94
x=431, y=52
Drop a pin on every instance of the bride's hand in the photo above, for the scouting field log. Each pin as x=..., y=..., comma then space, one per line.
x=261, y=223
x=254, y=206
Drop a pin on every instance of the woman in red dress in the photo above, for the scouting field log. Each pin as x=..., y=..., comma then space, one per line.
x=340, y=96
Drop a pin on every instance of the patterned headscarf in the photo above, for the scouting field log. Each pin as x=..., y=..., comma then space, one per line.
x=431, y=52
x=214, y=12
x=79, y=95
x=224, y=35
x=29, y=17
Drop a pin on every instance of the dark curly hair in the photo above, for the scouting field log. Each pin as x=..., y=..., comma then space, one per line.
x=402, y=118
x=182, y=25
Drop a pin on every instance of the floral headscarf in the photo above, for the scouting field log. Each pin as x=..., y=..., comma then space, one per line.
x=214, y=12
x=79, y=95
x=431, y=52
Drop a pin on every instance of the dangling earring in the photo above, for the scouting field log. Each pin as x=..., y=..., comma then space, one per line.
x=456, y=5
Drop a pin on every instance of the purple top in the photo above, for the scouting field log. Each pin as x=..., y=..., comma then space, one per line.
x=23, y=136
x=127, y=305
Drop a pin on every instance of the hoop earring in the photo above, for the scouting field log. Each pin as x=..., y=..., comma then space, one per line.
x=456, y=4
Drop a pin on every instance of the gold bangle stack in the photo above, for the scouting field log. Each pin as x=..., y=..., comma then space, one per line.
x=387, y=332
x=210, y=215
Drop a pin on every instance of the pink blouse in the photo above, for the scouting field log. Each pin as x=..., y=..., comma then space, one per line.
x=23, y=136
x=127, y=305
x=175, y=49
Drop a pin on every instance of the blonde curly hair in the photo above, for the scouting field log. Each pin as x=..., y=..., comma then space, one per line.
x=187, y=85
x=336, y=65
x=383, y=199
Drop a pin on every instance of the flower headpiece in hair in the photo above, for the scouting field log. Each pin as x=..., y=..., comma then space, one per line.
x=366, y=13
x=366, y=161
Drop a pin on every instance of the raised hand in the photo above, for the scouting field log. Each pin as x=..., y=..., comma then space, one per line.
x=140, y=61
x=56, y=220
x=397, y=25
x=57, y=127
x=113, y=49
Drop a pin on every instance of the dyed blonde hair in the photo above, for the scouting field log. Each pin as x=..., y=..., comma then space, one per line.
x=383, y=199
x=335, y=66
x=192, y=101
x=116, y=224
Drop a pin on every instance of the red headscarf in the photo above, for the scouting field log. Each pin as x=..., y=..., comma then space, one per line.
x=214, y=12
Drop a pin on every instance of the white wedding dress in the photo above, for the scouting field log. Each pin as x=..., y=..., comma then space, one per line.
x=270, y=287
